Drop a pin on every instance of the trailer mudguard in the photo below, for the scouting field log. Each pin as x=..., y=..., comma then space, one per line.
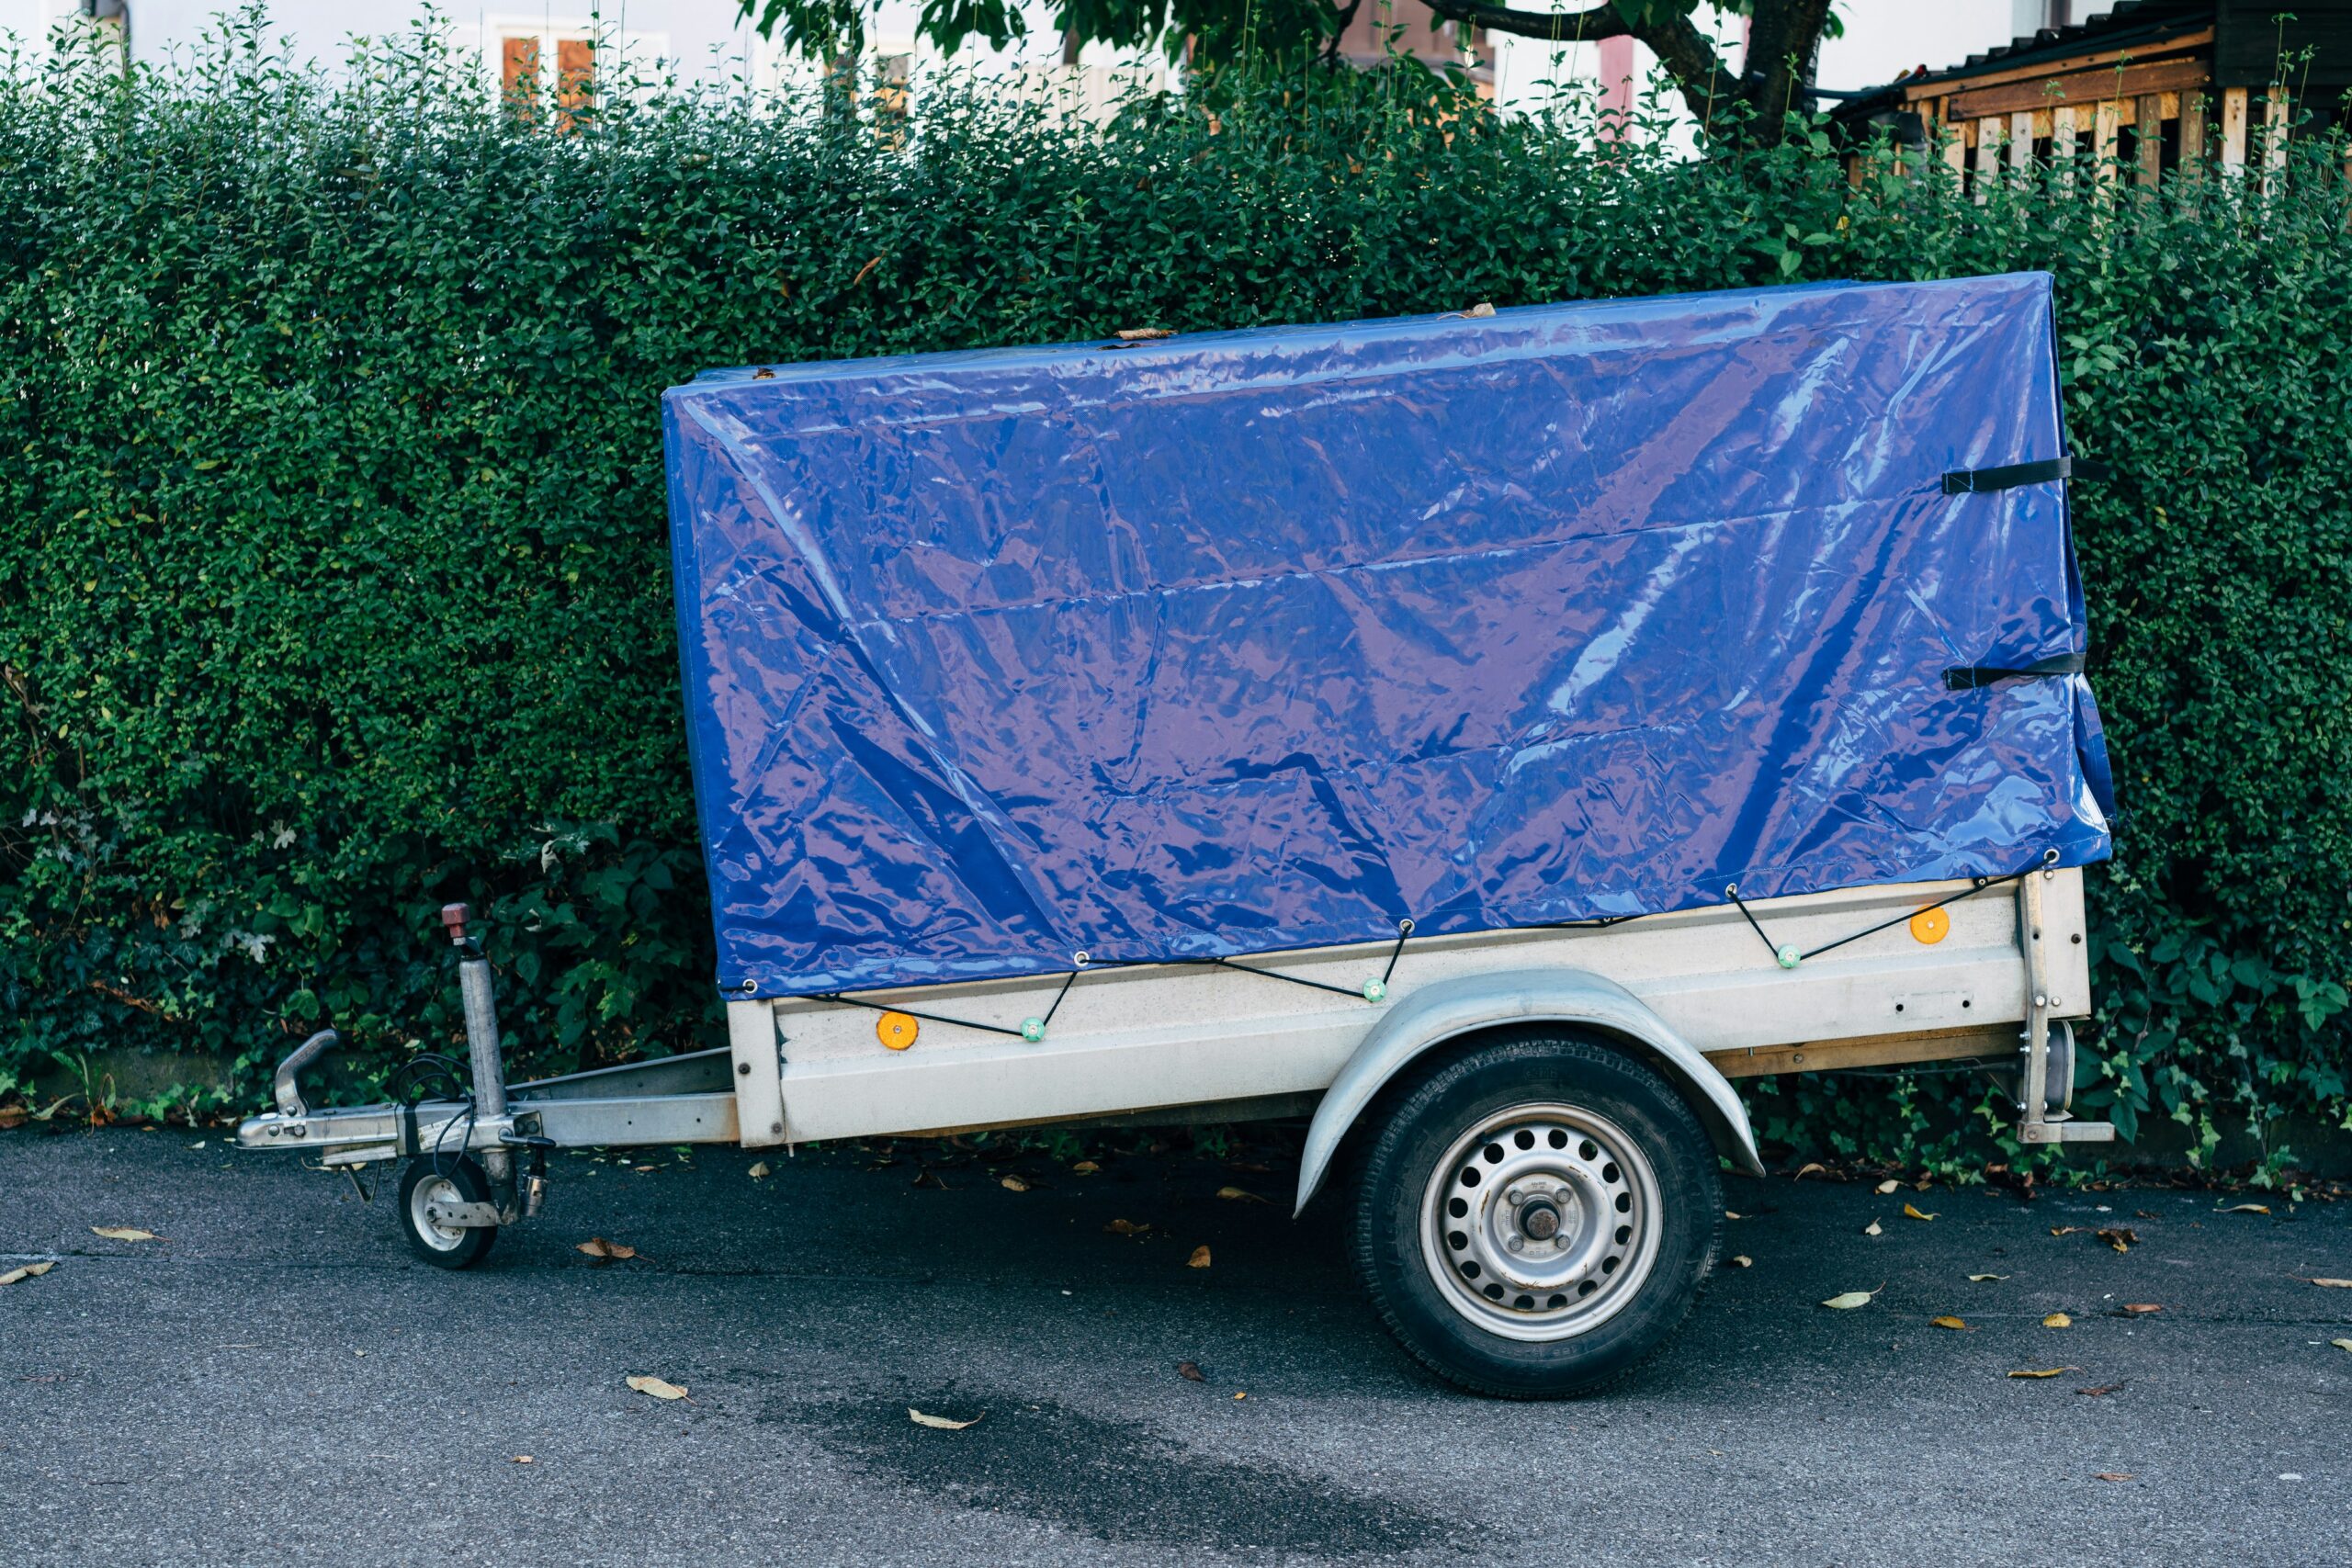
x=1450, y=1009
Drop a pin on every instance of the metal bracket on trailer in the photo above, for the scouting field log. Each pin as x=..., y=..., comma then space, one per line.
x=2043, y=1116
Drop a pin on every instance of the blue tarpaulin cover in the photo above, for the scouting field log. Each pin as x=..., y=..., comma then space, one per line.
x=1266, y=640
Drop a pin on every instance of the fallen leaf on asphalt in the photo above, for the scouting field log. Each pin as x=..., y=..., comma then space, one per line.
x=657, y=1388
x=1948, y=1321
x=31, y=1270
x=2342, y=1344
x=2057, y=1320
x=1743, y=1261
x=525, y=1459
x=1126, y=1227
x=1910, y=1212
x=1200, y=1258
x=1190, y=1371
x=1733, y=1215
x=1889, y=1185
x=929, y=1177
x=2053, y=1371
x=2112, y=1475
x=941, y=1422
x=1084, y=1167
x=1873, y=1229
x=2338, y=1284
x=1244, y=1394
x=2101, y=1392
x=123, y=1233
x=2121, y=1240
x=644, y=1170
x=1236, y=1195
x=1014, y=1184
x=2063, y=1230
x=761, y=1172
x=2246, y=1209
x=1980, y=1279
x=1812, y=1167
x=1851, y=1299
x=14, y=1116
x=605, y=1251
x=2140, y=1309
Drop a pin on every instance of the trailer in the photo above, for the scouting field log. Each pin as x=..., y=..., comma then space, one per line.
x=1486, y=737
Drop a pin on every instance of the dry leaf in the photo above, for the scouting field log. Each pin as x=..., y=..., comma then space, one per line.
x=1873, y=1229
x=1948, y=1322
x=2140, y=1309
x=1142, y=335
x=29, y=1271
x=1811, y=1168
x=1734, y=1214
x=2063, y=1230
x=2112, y=1475
x=1244, y=1394
x=1980, y=1279
x=657, y=1388
x=1743, y=1261
x=605, y=1251
x=2101, y=1391
x=13, y=1116
x=525, y=1459
x=1126, y=1227
x=1910, y=1212
x=2337, y=1284
x=1239, y=1195
x=1084, y=1167
x=2053, y=1371
x=1851, y=1299
x=1889, y=1185
x=1014, y=1184
x=2121, y=1240
x=2246, y=1209
x=1190, y=1371
x=124, y=1233
x=2342, y=1344
x=941, y=1422
x=2057, y=1320
x=1200, y=1258
x=761, y=1172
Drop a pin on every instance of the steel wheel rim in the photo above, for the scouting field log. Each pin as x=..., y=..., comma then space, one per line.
x=436, y=1236
x=1509, y=1178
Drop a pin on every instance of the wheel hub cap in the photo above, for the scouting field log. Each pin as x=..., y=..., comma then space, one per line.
x=1540, y=1222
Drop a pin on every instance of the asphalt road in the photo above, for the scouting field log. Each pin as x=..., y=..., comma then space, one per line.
x=276, y=1380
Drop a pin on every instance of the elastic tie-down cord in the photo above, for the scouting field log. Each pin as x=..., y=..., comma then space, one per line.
x=1031, y=1029
x=1788, y=956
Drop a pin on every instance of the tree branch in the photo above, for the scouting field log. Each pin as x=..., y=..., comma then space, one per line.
x=1685, y=51
x=1556, y=27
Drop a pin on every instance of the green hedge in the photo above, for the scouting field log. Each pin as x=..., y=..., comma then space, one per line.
x=332, y=572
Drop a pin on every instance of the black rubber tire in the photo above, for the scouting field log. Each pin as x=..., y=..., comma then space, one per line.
x=1424, y=1117
x=472, y=1185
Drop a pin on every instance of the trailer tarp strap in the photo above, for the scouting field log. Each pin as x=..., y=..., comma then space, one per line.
x=1979, y=482
x=1968, y=677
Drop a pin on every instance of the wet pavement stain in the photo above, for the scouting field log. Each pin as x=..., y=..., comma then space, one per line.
x=1114, y=1481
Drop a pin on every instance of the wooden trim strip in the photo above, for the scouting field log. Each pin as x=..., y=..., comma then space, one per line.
x=2085, y=87
x=2158, y=48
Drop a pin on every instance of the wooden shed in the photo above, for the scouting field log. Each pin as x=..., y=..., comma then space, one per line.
x=2144, y=87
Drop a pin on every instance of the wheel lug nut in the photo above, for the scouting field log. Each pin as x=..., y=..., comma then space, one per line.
x=1513, y=1244
x=1514, y=1194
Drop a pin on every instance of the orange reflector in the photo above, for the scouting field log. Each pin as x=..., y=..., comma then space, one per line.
x=895, y=1029
x=1930, y=926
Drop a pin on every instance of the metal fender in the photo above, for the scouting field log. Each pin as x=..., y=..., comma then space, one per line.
x=1452, y=1009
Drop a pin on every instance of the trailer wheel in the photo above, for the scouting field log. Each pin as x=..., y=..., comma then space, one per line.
x=461, y=1182
x=1536, y=1216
